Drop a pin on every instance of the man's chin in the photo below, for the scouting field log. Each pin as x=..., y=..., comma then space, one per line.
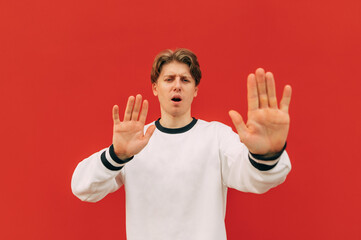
x=177, y=112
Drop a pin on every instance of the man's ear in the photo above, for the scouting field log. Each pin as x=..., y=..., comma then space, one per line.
x=154, y=88
x=195, y=92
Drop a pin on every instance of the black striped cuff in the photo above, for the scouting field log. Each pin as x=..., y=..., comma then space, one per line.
x=262, y=167
x=111, y=161
x=259, y=161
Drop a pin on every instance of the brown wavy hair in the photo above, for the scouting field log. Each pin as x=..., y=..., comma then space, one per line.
x=180, y=55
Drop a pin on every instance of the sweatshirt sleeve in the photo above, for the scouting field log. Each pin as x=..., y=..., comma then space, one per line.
x=249, y=172
x=98, y=175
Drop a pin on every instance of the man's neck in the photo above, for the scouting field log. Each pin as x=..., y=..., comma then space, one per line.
x=169, y=121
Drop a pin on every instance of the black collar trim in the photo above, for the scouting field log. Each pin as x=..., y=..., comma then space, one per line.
x=175, y=130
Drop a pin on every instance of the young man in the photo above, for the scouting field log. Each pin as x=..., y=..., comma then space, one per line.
x=176, y=170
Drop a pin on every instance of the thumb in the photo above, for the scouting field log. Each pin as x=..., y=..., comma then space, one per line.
x=149, y=132
x=238, y=123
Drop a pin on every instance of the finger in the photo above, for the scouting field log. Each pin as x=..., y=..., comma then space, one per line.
x=238, y=123
x=271, y=90
x=261, y=86
x=252, y=93
x=149, y=132
x=138, y=103
x=144, y=112
x=116, y=114
x=286, y=99
x=129, y=109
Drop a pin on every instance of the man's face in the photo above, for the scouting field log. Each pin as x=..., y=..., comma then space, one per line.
x=175, y=89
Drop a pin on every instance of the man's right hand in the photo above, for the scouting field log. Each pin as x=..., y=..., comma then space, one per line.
x=128, y=136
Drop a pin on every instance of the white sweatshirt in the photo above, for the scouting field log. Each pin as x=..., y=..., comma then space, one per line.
x=176, y=187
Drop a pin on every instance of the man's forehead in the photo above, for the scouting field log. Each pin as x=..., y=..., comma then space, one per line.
x=171, y=74
x=175, y=68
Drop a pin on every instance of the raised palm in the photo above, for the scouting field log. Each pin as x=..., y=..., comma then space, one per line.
x=267, y=126
x=128, y=135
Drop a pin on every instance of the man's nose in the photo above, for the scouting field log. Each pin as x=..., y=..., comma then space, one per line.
x=177, y=83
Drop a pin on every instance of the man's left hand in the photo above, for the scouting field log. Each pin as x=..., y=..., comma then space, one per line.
x=267, y=126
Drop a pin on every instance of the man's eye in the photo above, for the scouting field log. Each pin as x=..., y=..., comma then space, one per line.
x=185, y=80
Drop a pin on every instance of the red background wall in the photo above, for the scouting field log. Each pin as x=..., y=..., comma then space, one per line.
x=63, y=64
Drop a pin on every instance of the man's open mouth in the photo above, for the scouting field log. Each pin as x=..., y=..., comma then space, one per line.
x=176, y=99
